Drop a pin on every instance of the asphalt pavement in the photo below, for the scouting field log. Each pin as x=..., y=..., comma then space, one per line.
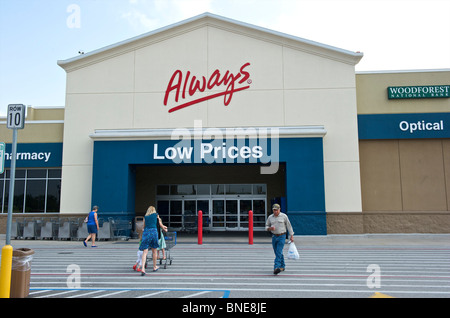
x=225, y=265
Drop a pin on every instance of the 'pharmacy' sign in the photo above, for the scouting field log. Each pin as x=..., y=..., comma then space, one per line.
x=426, y=91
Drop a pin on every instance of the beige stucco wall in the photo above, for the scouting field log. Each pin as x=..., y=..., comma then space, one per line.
x=372, y=92
x=42, y=125
x=404, y=183
x=292, y=84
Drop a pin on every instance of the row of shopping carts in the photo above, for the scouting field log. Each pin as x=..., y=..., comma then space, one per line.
x=70, y=228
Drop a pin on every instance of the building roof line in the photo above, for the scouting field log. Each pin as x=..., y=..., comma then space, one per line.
x=355, y=56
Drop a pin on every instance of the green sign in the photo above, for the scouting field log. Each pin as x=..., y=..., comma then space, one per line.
x=425, y=91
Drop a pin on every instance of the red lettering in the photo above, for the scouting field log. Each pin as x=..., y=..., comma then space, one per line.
x=230, y=89
x=196, y=87
x=200, y=85
x=171, y=87
x=246, y=74
x=215, y=80
x=185, y=84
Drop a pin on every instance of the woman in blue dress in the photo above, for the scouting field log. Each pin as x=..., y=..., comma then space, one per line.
x=150, y=237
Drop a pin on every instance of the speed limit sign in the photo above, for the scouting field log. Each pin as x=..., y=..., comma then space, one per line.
x=16, y=116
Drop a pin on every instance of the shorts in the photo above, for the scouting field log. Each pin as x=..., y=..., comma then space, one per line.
x=92, y=228
x=149, y=239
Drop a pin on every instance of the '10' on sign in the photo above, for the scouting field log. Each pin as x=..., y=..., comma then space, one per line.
x=16, y=116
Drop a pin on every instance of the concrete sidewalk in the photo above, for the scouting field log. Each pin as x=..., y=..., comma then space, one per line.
x=334, y=239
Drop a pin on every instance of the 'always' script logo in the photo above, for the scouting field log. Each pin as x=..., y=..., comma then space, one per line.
x=186, y=85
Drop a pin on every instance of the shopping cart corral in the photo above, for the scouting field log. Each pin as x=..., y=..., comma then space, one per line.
x=120, y=228
x=69, y=228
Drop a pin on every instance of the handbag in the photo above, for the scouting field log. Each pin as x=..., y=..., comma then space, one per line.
x=292, y=251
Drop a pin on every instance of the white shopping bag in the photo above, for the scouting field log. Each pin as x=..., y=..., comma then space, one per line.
x=292, y=251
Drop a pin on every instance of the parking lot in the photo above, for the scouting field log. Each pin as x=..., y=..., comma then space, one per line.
x=226, y=266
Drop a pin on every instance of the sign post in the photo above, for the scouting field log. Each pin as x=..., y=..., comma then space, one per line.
x=14, y=120
x=2, y=157
x=200, y=228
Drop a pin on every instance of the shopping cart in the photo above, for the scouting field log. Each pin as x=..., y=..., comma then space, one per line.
x=171, y=241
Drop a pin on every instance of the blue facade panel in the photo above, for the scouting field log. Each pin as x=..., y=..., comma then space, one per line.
x=114, y=165
x=404, y=126
x=35, y=155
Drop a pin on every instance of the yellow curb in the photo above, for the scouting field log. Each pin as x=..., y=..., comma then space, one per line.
x=380, y=295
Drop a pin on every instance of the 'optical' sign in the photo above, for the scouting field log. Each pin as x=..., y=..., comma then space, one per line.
x=404, y=126
x=427, y=91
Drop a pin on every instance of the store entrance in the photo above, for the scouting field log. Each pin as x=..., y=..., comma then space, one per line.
x=225, y=207
x=232, y=214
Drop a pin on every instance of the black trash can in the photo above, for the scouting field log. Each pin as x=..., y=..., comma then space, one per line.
x=20, y=272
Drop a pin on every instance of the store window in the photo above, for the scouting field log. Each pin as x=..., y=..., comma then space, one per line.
x=35, y=191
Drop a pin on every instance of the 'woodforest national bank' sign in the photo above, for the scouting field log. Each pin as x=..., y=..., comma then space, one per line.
x=426, y=91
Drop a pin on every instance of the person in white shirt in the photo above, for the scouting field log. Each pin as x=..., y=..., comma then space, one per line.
x=278, y=223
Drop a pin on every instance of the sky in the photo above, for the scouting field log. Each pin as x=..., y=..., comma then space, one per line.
x=35, y=34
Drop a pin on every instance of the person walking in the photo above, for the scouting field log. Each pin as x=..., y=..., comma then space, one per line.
x=150, y=237
x=278, y=223
x=137, y=266
x=162, y=244
x=92, y=226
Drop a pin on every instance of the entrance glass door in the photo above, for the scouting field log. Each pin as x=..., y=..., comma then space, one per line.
x=224, y=207
x=244, y=207
x=203, y=205
x=231, y=215
x=218, y=214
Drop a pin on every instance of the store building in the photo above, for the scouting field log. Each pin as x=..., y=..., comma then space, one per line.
x=217, y=115
x=404, y=131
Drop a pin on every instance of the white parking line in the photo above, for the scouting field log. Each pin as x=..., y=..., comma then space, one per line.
x=85, y=294
x=153, y=294
x=39, y=291
x=110, y=294
x=57, y=294
x=196, y=294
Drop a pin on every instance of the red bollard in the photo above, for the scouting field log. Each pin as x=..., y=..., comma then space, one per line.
x=200, y=227
x=250, y=227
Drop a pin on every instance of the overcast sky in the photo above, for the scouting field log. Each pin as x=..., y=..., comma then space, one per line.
x=35, y=34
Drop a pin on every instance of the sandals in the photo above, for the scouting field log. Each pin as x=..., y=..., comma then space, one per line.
x=144, y=273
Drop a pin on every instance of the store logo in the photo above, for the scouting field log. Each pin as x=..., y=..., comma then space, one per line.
x=187, y=85
x=425, y=91
x=222, y=145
